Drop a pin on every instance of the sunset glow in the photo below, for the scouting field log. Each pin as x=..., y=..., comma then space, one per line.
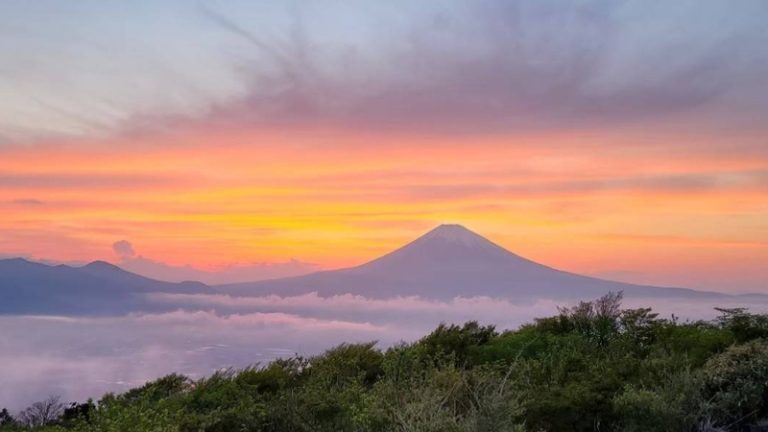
x=668, y=187
x=583, y=200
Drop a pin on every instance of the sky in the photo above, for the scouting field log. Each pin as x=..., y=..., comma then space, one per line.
x=621, y=139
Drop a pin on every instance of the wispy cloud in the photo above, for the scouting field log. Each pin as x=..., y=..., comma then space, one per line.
x=456, y=66
x=27, y=202
x=94, y=181
x=498, y=66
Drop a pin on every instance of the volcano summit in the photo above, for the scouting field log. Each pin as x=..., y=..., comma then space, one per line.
x=447, y=262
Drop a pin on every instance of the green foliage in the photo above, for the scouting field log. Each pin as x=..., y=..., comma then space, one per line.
x=332, y=394
x=225, y=401
x=455, y=343
x=6, y=419
x=592, y=367
x=745, y=326
x=674, y=404
x=158, y=390
x=445, y=398
x=735, y=384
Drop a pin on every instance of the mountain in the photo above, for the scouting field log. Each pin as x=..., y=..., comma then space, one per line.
x=447, y=262
x=98, y=288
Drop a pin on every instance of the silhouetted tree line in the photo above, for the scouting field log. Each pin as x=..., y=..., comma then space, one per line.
x=591, y=367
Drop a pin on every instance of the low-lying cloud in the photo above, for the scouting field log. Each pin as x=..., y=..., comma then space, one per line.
x=85, y=357
x=81, y=357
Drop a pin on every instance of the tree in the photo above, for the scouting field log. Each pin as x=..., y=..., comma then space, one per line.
x=598, y=320
x=736, y=384
x=675, y=404
x=6, y=419
x=745, y=326
x=78, y=411
x=637, y=325
x=456, y=342
x=42, y=413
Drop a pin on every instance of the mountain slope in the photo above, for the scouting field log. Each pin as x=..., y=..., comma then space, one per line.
x=447, y=262
x=98, y=288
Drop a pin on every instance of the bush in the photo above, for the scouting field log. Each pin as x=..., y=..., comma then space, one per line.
x=674, y=406
x=591, y=367
x=735, y=384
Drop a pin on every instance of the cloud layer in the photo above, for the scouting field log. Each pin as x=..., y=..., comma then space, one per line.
x=85, y=357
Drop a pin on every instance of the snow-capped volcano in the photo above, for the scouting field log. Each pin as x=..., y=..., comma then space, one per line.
x=444, y=246
x=455, y=234
x=446, y=262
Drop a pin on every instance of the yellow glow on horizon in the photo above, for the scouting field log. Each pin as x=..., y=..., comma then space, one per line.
x=340, y=199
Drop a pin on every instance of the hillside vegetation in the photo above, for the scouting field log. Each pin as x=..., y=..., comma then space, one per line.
x=592, y=367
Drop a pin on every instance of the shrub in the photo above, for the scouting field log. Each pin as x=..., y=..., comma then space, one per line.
x=735, y=384
x=674, y=406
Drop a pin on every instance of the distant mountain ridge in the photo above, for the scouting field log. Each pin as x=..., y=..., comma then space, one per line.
x=98, y=288
x=447, y=262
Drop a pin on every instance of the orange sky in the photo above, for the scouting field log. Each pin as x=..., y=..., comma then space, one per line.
x=589, y=202
x=622, y=140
